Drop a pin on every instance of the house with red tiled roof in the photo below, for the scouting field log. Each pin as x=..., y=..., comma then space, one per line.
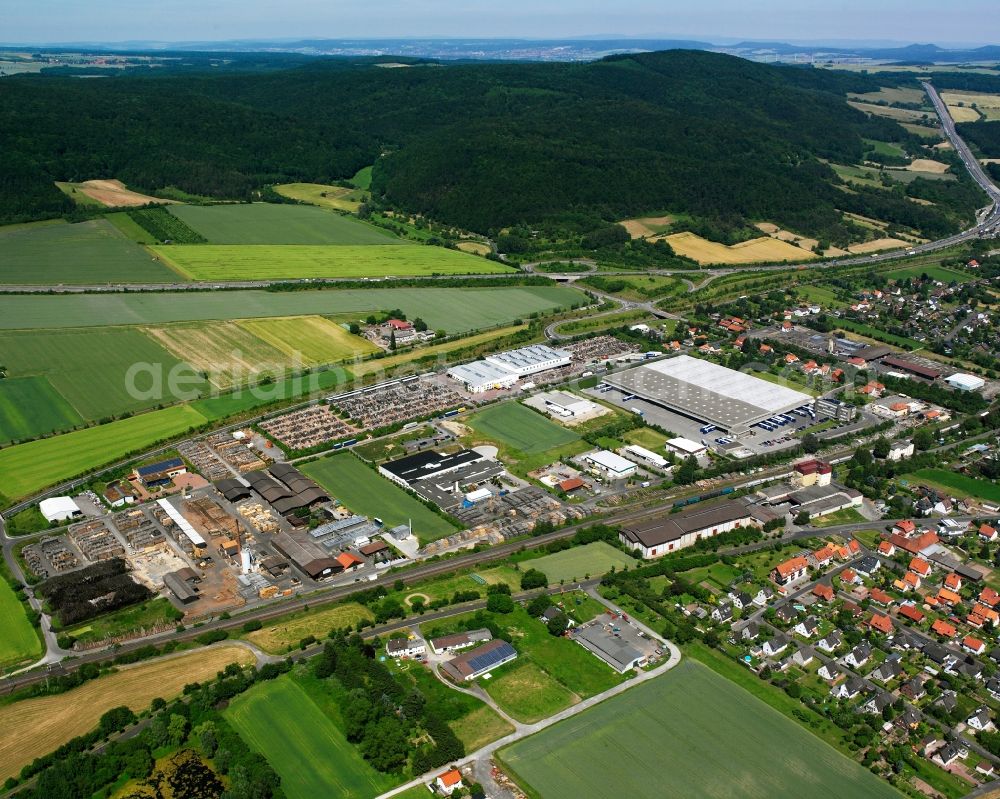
x=905, y=527
x=790, y=570
x=887, y=548
x=987, y=533
x=973, y=645
x=912, y=581
x=975, y=620
x=879, y=597
x=766, y=348
x=849, y=576
x=989, y=597
x=987, y=613
x=948, y=597
x=854, y=360
x=854, y=546
x=823, y=591
x=825, y=555
x=881, y=623
x=911, y=612
x=449, y=782
x=941, y=627
x=915, y=544
x=791, y=358
x=953, y=582
x=349, y=561
x=920, y=566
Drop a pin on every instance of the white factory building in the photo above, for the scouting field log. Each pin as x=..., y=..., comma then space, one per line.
x=685, y=447
x=964, y=382
x=504, y=369
x=646, y=456
x=58, y=509
x=614, y=466
x=563, y=405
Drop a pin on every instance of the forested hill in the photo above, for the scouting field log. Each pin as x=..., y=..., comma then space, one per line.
x=482, y=146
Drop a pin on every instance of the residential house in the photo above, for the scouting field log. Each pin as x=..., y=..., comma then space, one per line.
x=790, y=571
x=980, y=721
x=829, y=671
x=775, y=645
x=823, y=591
x=848, y=689
x=913, y=689
x=880, y=597
x=948, y=597
x=722, y=613
x=879, y=702
x=869, y=565
x=849, y=577
x=886, y=548
x=941, y=627
x=449, y=782
x=900, y=449
x=763, y=596
x=920, y=567
x=807, y=627
x=973, y=645
x=802, y=656
x=858, y=656
x=749, y=631
x=882, y=624
x=741, y=599
x=786, y=613
x=988, y=533
x=911, y=612
x=886, y=671
x=831, y=641
x=947, y=754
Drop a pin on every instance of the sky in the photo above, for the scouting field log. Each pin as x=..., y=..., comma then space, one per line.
x=942, y=22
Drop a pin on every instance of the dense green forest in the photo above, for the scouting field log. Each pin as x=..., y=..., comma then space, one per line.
x=560, y=148
x=983, y=135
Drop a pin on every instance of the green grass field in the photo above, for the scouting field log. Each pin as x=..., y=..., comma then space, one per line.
x=940, y=273
x=87, y=252
x=362, y=490
x=266, y=223
x=312, y=756
x=880, y=335
x=26, y=468
x=527, y=693
x=958, y=484
x=220, y=262
x=30, y=407
x=456, y=310
x=18, y=639
x=520, y=428
x=89, y=367
x=648, y=438
x=705, y=736
x=339, y=198
x=578, y=562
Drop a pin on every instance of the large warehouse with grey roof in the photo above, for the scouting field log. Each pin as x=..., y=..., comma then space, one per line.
x=702, y=390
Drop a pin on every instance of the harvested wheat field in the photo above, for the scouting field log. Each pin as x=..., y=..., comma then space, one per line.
x=878, y=245
x=115, y=194
x=34, y=727
x=963, y=114
x=776, y=232
x=228, y=353
x=927, y=165
x=475, y=247
x=282, y=636
x=646, y=226
x=897, y=114
x=763, y=249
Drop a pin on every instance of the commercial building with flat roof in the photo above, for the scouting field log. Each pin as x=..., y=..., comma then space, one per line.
x=530, y=360
x=915, y=369
x=653, y=538
x=708, y=392
x=307, y=557
x=57, y=509
x=613, y=640
x=614, y=466
x=480, y=376
x=685, y=447
x=964, y=382
x=440, y=477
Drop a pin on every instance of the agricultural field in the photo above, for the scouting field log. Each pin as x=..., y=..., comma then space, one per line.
x=26, y=468
x=579, y=563
x=959, y=485
x=647, y=226
x=221, y=262
x=31, y=407
x=19, y=641
x=986, y=105
x=877, y=245
x=893, y=95
x=266, y=223
x=279, y=720
x=313, y=339
x=284, y=635
x=364, y=491
x=54, y=720
x=83, y=253
x=456, y=310
x=338, y=198
x=91, y=367
x=924, y=131
x=687, y=716
x=636, y=287
x=885, y=148
x=520, y=428
x=763, y=249
x=109, y=193
x=895, y=114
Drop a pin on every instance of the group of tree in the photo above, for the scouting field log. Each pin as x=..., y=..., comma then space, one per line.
x=91, y=591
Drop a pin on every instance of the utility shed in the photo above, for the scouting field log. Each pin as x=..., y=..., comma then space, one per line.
x=180, y=588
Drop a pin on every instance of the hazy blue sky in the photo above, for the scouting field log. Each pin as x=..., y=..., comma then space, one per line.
x=940, y=21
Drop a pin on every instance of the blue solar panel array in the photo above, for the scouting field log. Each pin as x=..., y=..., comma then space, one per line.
x=489, y=659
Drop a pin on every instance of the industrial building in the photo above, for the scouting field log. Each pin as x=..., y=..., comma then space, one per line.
x=504, y=369
x=563, y=405
x=158, y=474
x=910, y=368
x=646, y=457
x=439, y=477
x=286, y=489
x=964, y=382
x=59, y=509
x=701, y=390
x=308, y=558
x=181, y=584
x=685, y=447
x=607, y=463
x=653, y=538
x=478, y=661
x=613, y=640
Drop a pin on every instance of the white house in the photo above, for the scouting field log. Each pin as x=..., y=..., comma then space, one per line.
x=614, y=466
x=899, y=450
x=980, y=721
x=405, y=647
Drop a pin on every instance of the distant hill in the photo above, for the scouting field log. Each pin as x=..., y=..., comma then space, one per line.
x=569, y=147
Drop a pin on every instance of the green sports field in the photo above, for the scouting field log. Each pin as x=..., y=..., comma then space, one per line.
x=279, y=720
x=520, y=428
x=266, y=223
x=577, y=563
x=18, y=639
x=456, y=310
x=687, y=733
x=222, y=262
x=31, y=407
x=87, y=252
x=27, y=468
x=89, y=367
x=363, y=491
x=959, y=484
